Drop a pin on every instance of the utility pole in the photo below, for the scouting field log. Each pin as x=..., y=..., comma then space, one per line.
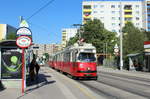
x=121, y=38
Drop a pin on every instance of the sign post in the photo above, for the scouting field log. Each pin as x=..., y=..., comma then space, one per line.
x=23, y=80
x=23, y=42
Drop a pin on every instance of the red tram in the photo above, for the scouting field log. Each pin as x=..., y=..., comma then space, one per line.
x=78, y=60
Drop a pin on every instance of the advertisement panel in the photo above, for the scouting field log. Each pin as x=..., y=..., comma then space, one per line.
x=11, y=63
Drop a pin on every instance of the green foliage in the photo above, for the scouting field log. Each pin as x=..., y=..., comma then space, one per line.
x=46, y=55
x=11, y=36
x=95, y=33
x=72, y=40
x=133, y=39
x=147, y=35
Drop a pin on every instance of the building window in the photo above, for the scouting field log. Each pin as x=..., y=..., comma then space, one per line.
x=137, y=6
x=137, y=18
x=95, y=17
x=137, y=24
x=112, y=6
x=101, y=17
x=64, y=31
x=113, y=18
x=87, y=19
x=94, y=11
x=113, y=30
x=86, y=13
x=87, y=6
x=113, y=12
x=113, y=24
x=128, y=7
x=137, y=12
x=101, y=6
x=101, y=11
x=128, y=13
x=95, y=6
x=128, y=19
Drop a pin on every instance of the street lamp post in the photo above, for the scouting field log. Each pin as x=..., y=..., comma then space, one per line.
x=121, y=39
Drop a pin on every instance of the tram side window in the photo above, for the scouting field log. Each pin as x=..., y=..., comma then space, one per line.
x=74, y=55
x=56, y=58
x=68, y=57
x=64, y=57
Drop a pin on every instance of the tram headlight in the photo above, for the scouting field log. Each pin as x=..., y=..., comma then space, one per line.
x=88, y=68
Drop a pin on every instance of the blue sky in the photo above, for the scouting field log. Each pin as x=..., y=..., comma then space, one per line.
x=46, y=25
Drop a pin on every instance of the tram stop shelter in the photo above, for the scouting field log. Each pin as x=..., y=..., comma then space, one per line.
x=135, y=61
x=10, y=64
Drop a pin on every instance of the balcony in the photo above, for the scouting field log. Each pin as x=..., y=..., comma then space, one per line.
x=128, y=10
x=125, y=22
x=87, y=16
x=87, y=10
x=128, y=16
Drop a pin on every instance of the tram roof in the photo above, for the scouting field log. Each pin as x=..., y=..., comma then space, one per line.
x=80, y=46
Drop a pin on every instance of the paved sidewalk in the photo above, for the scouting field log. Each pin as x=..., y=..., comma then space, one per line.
x=145, y=75
x=45, y=87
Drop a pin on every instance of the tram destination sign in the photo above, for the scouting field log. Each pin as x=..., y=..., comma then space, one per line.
x=23, y=41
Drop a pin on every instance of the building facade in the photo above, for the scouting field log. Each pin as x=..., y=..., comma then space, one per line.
x=40, y=49
x=5, y=30
x=114, y=13
x=147, y=17
x=67, y=33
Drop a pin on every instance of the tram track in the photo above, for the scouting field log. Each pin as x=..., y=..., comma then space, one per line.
x=138, y=82
x=126, y=86
x=98, y=91
x=125, y=76
x=112, y=92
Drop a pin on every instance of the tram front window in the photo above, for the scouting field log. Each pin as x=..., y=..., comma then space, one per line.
x=87, y=57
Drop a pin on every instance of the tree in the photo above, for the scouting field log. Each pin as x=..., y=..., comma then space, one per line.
x=73, y=40
x=11, y=36
x=133, y=39
x=95, y=33
x=147, y=34
x=46, y=55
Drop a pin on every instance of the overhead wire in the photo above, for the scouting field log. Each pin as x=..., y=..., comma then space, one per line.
x=40, y=9
x=51, y=1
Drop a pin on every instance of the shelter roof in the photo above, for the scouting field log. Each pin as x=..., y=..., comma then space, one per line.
x=8, y=43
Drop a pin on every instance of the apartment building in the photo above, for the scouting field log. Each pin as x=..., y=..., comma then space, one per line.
x=114, y=13
x=67, y=33
x=147, y=13
x=6, y=29
x=40, y=49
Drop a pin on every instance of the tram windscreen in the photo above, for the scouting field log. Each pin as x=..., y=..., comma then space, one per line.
x=87, y=57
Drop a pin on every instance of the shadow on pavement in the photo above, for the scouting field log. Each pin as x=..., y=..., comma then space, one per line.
x=39, y=81
x=1, y=86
